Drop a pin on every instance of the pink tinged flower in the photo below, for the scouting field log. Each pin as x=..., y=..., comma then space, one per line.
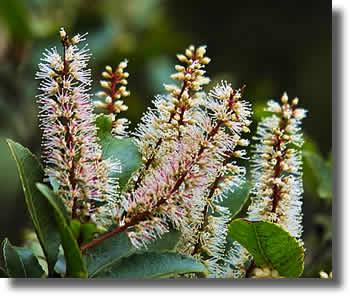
x=71, y=152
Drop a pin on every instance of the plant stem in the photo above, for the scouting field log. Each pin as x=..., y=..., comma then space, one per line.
x=70, y=144
x=276, y=195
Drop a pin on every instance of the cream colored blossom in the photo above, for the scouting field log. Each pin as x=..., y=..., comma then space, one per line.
x=71, y=153
x=277, y=168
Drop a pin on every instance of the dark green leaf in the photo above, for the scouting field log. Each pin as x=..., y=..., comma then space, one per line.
x=74, y=259
x=32, y=244
x=54, y=184
x=236, y=199
x=60, y=266
x=103, y=255
x=20, y=262
x=153, y=265
x=30, y=172
x=167, y=242
x=270, y=245
x=75, y=227
x=87, y=232
x=124, y=150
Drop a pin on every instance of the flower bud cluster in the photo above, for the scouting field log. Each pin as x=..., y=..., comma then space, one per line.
x=277, y=168
x=115, y=89
x=71, y=153
x=162, y=126
x=264, y=273
x=325, y=275
x=192, y=72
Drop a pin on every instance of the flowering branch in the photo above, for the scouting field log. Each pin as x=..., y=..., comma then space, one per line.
x=72, y=156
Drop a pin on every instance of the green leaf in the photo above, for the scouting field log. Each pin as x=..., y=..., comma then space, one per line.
x=74, y=259
x=20, y=262
x=108, y=253
x=32, y=244
x=75, y=226
x=87, y=232
x=167, y=242
x=30, y=172
x=317, y=170
x=270, y=245
x=153, y=265
x=236, y=199
x=54, y=184
x=124, y=150
x=60, y=266
x=83, y=233
x=323, y=172
x=309, y=177
x=100, y=257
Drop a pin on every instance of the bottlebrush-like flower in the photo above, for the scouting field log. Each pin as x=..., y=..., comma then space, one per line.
x=115, y=89
x=230, y=118
x=71, y=153
x=163, y=126
x=277, y=168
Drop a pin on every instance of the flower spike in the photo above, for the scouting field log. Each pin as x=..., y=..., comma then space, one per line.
x=277, y=168
x=115, y=89
x=162, y=126
x=71, y=153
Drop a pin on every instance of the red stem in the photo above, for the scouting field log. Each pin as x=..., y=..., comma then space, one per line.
x=115, y=81
x=276, y=195
x=70, y=144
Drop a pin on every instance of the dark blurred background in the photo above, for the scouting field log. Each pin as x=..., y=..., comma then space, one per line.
x=272, y=46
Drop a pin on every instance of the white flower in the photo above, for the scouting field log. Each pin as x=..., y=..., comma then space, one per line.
x=277, y=168
x=222, y=92
x=71, y=153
